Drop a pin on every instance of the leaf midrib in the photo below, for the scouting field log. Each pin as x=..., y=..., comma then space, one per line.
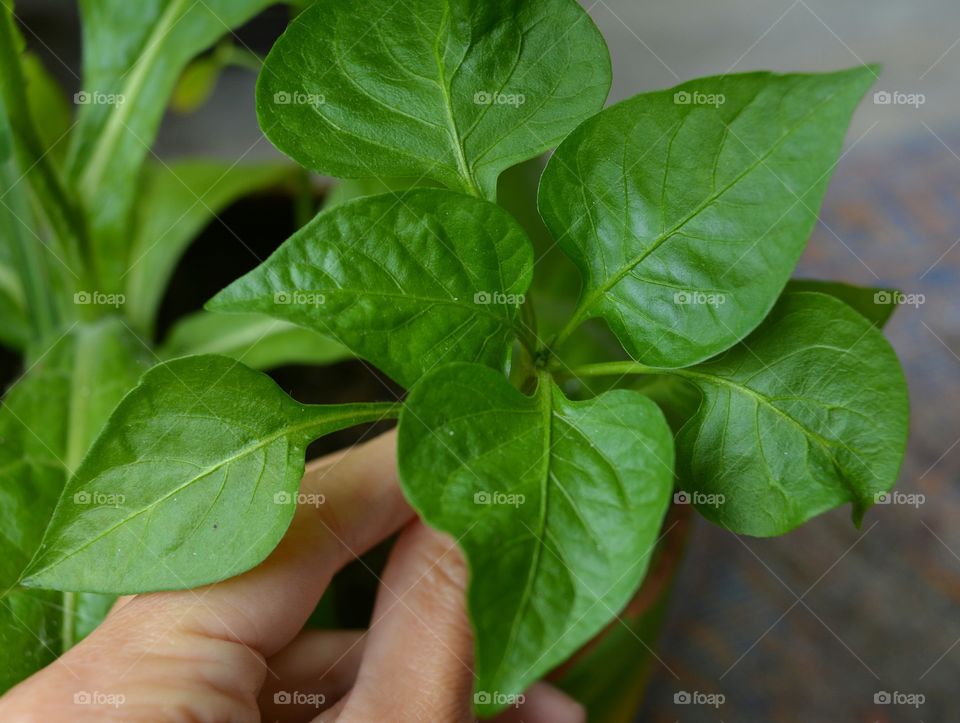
x=545, y=392
x=455, y=140
x=110, y=134
x=472, y=308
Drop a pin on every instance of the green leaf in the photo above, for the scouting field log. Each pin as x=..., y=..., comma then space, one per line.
x=199, y=78
x=258, y=341
x=678, y=399
x=15, y=329
x=353, y=188
x=456, y=91
x=687, y=218
x=134, y=53
x=20, y=141
x=52, y=414
x=408, y=282
x=33, y=277
x=196, y=84
x=48, y=106
x=177, y=202
x=46, y=423
x=877, y=304
x=89, y=610
x=557, y=505
x=808, y=413
x=28, y=632
x=34, y=433
x=29, y=283
x=24, y=269
x=193, y=480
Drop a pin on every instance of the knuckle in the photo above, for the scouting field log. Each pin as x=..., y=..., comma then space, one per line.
x=444, y=564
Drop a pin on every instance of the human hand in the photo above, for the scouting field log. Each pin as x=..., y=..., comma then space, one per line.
x=237, y=651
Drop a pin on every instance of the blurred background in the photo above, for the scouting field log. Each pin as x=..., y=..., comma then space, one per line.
x=819, y=624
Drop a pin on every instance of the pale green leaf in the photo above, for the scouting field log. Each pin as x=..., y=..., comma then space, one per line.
x=258, y=341
x=15, y=329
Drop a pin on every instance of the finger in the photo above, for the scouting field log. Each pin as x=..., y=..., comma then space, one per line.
x=315, y=671
x=544, y=703
x=417, y=663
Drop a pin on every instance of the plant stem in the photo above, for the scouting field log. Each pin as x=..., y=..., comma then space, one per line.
x=528, y=326
x=524, y=371
x=229, y=54
x=81, y=424
x=68, y=624
x=571, y=326
x=609, y=369
x=304, y=208
x=359, y=413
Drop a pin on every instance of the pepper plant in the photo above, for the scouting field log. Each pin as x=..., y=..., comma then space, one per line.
x=684, y=211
